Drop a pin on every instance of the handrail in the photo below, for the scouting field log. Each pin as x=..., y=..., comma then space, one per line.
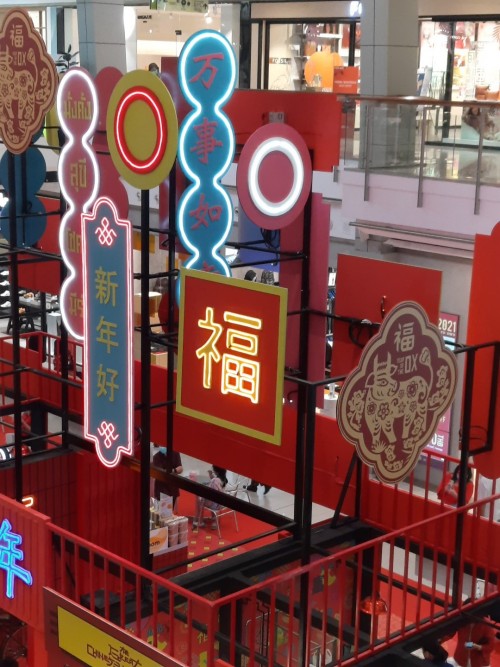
x=413, y=100
x=357, y=635
x=418, y=137
x=124, y=592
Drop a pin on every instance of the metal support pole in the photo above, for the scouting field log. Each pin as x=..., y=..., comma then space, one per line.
x=304, y=467
x=368, y=150
x=14, y=304
x=477, y=189
x=300, y=471
x=422, y=155
x=145, y=382
x=304, y=611
x=172, y=210
x=462, y=479
x=43, y=312
x=63, y=365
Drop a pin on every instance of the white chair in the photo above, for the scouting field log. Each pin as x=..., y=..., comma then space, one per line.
x=237, y=487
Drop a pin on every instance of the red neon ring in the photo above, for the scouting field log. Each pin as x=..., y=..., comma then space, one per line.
x=130, y=160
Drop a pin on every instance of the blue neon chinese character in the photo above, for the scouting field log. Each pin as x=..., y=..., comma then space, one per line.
x=9, y=554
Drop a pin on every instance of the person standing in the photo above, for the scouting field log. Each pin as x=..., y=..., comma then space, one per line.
x=448, y=489
x=161, y=460
x=475, y=643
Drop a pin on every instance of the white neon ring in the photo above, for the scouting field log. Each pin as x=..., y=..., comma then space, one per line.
x=285, y=146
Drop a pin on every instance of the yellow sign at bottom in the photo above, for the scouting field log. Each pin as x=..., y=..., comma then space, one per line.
x=93, y=646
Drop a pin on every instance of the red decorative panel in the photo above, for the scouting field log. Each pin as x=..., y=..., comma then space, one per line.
x=367, y=289
x=51, y=482
x=27, y=602
x=484, y=326
x=44, y=276
x=108, y=506
x=252, y=457
x=316, y=117
x=291, y=278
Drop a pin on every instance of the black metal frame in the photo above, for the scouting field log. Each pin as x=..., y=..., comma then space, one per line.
x=301, y=525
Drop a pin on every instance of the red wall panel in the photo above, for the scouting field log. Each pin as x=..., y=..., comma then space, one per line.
x=267, y=463
x=316, y=117
x=484, y=326
x=52, y=484
x=27, y=603
x=108, y=506
x=44, y=276
x=291, y=278
x=364, y=287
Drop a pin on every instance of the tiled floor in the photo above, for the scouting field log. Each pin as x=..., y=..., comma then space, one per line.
x=276, y=500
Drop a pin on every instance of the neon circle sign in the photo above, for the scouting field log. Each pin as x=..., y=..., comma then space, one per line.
x=127, y=156
x=273, y=203
x=142, y=129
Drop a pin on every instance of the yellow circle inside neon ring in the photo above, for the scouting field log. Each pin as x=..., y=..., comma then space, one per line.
x=135, y=124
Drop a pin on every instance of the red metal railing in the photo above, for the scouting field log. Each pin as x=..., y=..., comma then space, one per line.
x=41, y=352
x=304, y=615
x=154, y=609
x=396, y=506
x=405, y=576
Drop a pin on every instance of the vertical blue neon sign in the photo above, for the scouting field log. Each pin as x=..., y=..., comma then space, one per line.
x=9, y=556
x=207, y=75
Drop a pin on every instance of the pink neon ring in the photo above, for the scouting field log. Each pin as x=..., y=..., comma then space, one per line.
x=130, y=160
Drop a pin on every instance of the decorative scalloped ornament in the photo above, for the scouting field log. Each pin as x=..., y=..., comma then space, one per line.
x=28, y=81
x=390, y=405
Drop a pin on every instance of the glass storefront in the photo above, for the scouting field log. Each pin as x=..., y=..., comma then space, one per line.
x=303, y=56
x=471, y=49
x=460, y=60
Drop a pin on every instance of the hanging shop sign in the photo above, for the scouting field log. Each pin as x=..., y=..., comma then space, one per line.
x=390, y=405
x=345, y=80
x=200, y=6
x=108, y=357
x=207, y=74
x=28, y=80
x=78, y=175
x=231, y=353
x=142, y=129
x=274, y=176
x=440, y=441
x=75, y=636
x=24, y=554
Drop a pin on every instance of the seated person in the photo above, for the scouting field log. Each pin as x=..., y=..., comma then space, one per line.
x=218, y=481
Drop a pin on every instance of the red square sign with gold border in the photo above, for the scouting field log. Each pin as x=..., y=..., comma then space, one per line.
x=232, y=353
